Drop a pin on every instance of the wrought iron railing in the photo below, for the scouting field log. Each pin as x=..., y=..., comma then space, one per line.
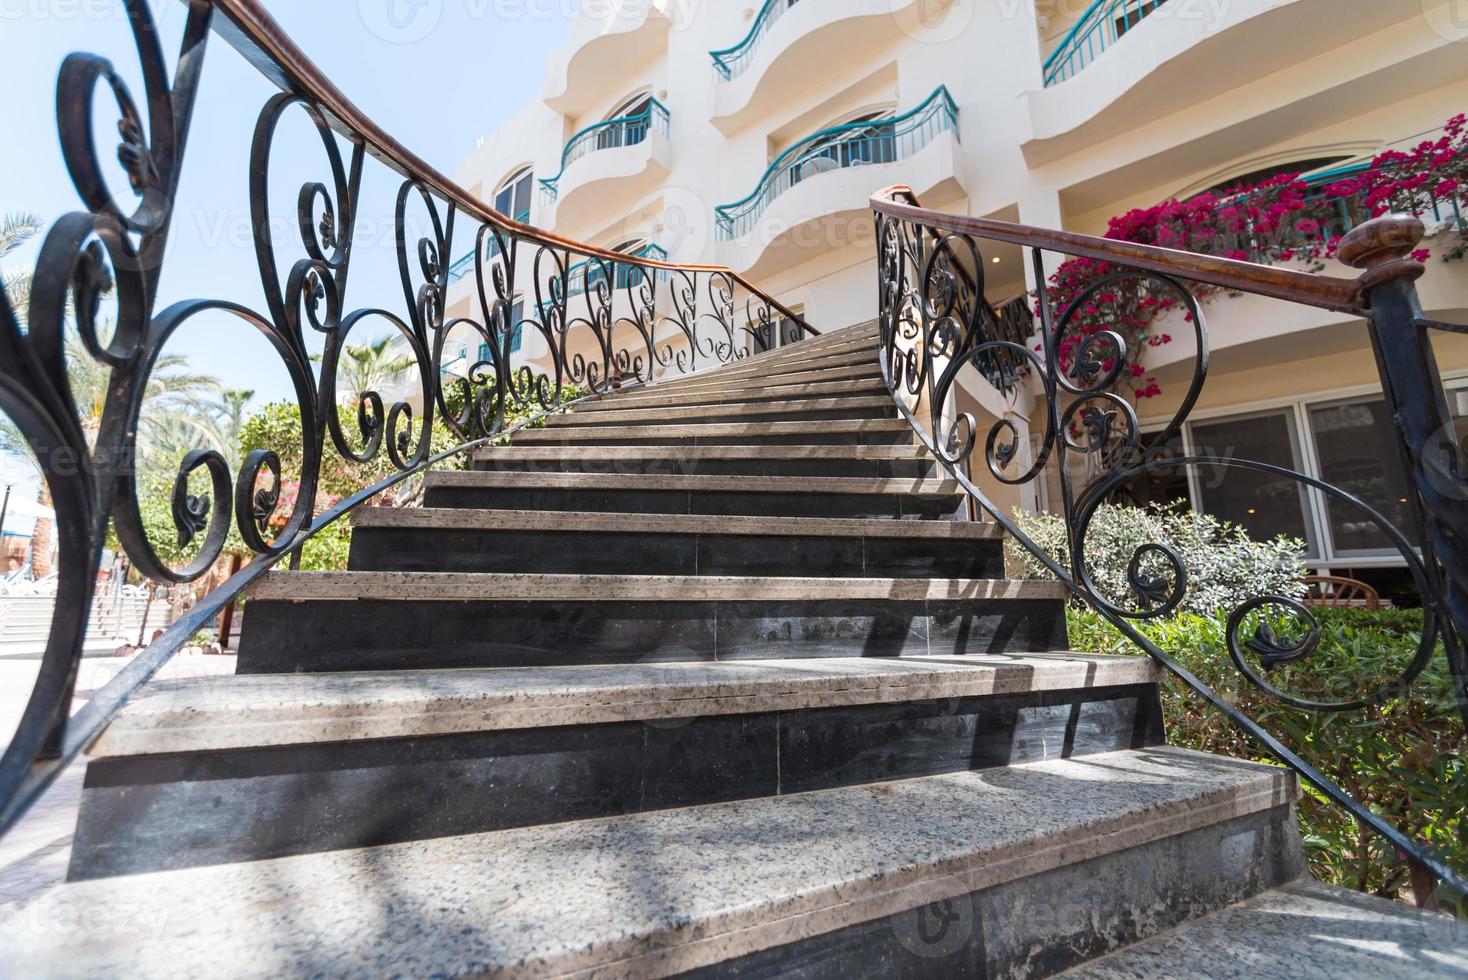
x=465, y=264
x=856, y=144
x=107, y=252
x=590, y=275
x=730, y=63
x=1098, y=28
x=936, y=325
x=608, y=135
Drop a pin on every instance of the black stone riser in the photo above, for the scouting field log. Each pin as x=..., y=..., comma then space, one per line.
x=714, y=503
x=711, y=416
x=550, y=437
x=171, y=811
x=651, y=553
x=1047, y=923
x=331, y=635
x=671, y=466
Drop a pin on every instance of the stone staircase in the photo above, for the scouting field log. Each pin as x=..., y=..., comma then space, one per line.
x=713, y=678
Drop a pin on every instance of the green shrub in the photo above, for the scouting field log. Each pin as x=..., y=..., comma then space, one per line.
x=1404, y=758
x=1225, y=566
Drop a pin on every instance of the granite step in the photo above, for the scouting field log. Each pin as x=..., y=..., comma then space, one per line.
x=1026, y=869
x=1302, y=930
x=786, y=365
x=655, y=397
x=726, y=379
x=747, y=496
x=336, y=621
x=394, y=539
x=250, y=767
x=812, y=409
x=878, y=432
x=870, y=462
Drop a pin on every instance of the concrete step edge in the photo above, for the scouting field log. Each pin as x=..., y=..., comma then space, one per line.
x=642, y=895
x=252, y=711
x=486, y=587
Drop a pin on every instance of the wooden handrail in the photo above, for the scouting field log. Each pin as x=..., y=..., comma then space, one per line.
x=261, y=41
x=1324, y=292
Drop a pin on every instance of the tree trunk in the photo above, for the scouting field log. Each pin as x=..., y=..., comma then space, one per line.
x=42, y=537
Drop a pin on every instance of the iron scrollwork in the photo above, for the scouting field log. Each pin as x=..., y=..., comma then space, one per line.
x=938, y=331
x=635, y=322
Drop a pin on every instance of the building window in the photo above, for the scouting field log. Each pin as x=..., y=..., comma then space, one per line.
x=1356, y=444
x=513, y=197
x=1266, y=505
x=1130, y=14
x=1349, y=443
x=638, y=108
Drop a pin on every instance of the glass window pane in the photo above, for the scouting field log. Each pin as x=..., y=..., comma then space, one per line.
x=1358, y=453
x=1160, y=485
x=1265, y=505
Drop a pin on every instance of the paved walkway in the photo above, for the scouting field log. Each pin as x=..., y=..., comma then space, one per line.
x=35, y=853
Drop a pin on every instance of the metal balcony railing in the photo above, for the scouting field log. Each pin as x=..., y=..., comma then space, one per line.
x=608, y=135
x=584, y=276
x=855, y=144
x=730, y=63
x=1103, y=23
x=465, y=263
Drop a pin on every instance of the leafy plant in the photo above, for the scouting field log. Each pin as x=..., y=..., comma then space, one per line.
x=1225, y=567
x=1403, y=759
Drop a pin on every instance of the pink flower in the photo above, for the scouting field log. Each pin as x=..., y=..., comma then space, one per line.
x=1422, y=255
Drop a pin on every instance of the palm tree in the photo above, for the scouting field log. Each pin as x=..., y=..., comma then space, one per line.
x=232, y=405
x=178, y=413
x=15, y=229
x=371, y=367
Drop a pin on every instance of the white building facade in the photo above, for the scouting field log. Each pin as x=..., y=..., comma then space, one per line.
x=751, y=135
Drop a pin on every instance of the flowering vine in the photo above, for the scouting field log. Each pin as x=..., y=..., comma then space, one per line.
x=1281, y=219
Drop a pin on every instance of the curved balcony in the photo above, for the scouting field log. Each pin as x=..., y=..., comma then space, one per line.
x=627, y=34
x=613, y=134
x=1103, y=79
x=857, y=144
x=786, y=50
x=730, y=63
x=1101, y=26
x=814, y=197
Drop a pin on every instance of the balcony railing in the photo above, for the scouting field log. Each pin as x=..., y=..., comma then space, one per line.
x=856, y=144
x=608, y=135
x=730, y=63
x=584, y=276
x=1103, y=23
x=465, y=264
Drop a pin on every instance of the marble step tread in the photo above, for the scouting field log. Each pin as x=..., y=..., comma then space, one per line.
x=1302, y=931
x=648, y=397
x=492, y=479
x=489, y=587
x=454, y=519
x=611, y=455
x=249, y=711
x=796, y=362
x=813, y=430
x=721, y=381
x=634, y=413
x=632, y=896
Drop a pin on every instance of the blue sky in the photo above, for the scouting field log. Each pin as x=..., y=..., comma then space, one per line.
x=437, y=74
